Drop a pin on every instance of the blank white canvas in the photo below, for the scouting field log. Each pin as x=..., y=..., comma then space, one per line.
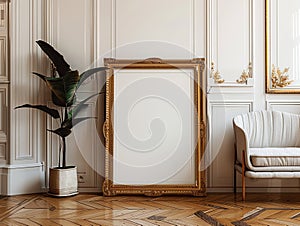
x=154, y=127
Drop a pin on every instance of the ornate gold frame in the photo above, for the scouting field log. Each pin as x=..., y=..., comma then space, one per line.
x=268, y=65
x=197, y=189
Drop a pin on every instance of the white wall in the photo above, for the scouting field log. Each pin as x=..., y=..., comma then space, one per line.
x=72, y=30
x=228, y=33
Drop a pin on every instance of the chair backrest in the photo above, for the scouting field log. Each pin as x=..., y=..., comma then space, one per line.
x=270, y=128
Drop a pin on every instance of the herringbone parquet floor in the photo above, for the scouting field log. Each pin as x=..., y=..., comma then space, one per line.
x=92, y=209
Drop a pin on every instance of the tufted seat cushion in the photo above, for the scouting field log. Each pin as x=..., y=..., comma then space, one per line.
x=272, y=156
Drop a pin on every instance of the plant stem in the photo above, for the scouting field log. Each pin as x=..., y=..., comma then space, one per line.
x=64, y=150
x=64, y=164
x=66, y=113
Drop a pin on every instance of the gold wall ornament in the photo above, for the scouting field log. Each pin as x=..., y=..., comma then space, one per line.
x=273, y=23
x=280, y=78
x=216, y=75
x=243, y=78
x=197, y=188
x=246, y=74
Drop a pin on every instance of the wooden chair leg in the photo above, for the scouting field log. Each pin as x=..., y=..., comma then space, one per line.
x=234, y=170
x=243, y=178
x=234, y=180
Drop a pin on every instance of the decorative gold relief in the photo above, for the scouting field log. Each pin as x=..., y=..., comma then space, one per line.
x=106, y=188
x=104, y=129
x=153, y=193
x=278, y=48
x=202, y=129
x=280, y=78
x=216, y=75
x=245, y=75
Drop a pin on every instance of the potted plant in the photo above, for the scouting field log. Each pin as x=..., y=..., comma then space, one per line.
x=63, y=85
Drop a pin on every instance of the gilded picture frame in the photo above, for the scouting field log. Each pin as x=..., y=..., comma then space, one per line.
x=198, y=187
x=281, y=70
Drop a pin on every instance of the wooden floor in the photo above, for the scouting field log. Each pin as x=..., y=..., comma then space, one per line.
x=215, y=209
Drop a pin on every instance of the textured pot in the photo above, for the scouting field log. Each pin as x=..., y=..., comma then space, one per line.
x=63, y=181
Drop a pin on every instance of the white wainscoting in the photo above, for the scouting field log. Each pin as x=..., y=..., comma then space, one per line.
x=221, y=141
x=4, y=45
x=4, y=123
x=229, y=33
x=74, y=32
x=230, y=38
x=70, y=30
x=123, y=29
x=22, y=172
x=3, y=58
x=27, y=126
x=291, y=106
x=153, y=21
x=83, y=149
x=284, y=49
x=166, y=29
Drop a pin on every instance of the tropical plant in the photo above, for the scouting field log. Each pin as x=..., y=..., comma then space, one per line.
x=63, y=85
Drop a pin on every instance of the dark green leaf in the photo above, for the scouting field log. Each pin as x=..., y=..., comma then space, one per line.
x=57, y=101
x=63, y=88
x=57, y=59
x=70, y=123
x=62, y=132
x=52, y=112
x=46, y=78
x=85, y=75
x=43, y=77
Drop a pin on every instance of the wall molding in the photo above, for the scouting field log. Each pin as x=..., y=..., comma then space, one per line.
x=212, y=45
x=114, y=28
x=114, y=33
x=90, y=53
x=97, y=35
x=230, y=88
x=284, y=104
x=4, y=124
x=26, y=26
x=254, y=190
x=248, y=106
x=4, y=58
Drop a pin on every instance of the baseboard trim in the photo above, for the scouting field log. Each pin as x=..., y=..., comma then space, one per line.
x=22, y=179
x=256, y=190
x=90, y=190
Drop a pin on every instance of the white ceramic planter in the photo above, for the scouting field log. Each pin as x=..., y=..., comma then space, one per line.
x=63, y=181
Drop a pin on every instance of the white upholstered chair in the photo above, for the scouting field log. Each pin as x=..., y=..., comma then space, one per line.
x=267, y=145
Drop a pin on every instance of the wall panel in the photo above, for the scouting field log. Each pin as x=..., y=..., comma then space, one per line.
x=4, y=123
x=230, y=38
x=221, y=141
x=285, y=106
x=27, y=126
x=165, y=29
x=73, y=32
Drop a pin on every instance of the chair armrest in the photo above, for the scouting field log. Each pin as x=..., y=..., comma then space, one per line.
x=242, y=145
